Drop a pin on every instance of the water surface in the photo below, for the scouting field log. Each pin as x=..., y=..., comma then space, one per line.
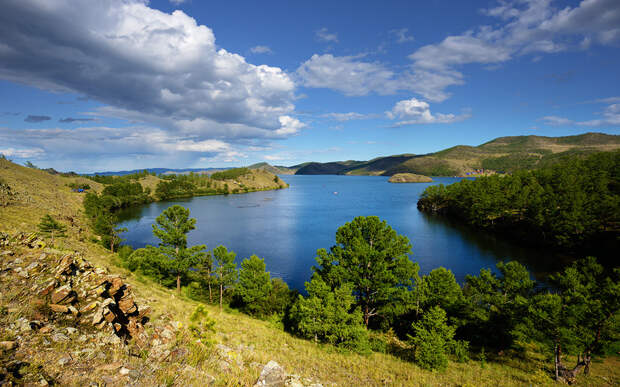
x=287, y=226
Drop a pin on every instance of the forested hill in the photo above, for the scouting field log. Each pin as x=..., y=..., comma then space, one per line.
x=504, y=154
x=572, y=205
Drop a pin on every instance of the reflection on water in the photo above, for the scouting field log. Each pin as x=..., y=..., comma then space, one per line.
x=286, y=227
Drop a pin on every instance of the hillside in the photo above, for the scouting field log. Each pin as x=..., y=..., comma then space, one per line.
x=40, y=343
x=275, y=169
x=504, y=154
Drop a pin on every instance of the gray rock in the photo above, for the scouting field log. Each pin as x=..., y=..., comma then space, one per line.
x=64, y=361
x=59, y=337
x=272, y=375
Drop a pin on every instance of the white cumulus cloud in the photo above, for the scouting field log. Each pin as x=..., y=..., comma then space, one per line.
x=413, y=111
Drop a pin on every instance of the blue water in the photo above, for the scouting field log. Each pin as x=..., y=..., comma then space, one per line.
x=287, y=226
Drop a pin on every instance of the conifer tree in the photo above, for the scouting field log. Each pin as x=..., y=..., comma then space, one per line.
x=254, y=285
x=226, y=270
x=49, y=226
x=372, y=257
x=171, y=227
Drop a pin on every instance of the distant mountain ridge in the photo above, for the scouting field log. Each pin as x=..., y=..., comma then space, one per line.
x=503, y=154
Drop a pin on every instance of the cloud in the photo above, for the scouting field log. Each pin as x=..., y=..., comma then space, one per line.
x=526, y=27
x=556, y=121
x=324, y=36
x=529, y=27
x=22, y=153
x=178, y=2
x=157, y=68
x=261, y=50
x=130, y=147
x=69, y=120
x=402, y=36
x=610, y=116
x=9, y=114
x=348, y=75
x=413, y=111
x=341, y=117
x=32, y=118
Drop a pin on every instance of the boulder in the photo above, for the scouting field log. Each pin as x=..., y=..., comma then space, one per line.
x=272, y=375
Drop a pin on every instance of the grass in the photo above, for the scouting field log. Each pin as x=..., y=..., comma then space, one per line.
x=252, y=340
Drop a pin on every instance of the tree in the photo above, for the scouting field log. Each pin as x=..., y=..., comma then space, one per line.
x=171, y=227
x=440, y=288
x=330, y=316
x=254, y=285
x=226, y=270
x=433, y=339
x=49, y=226
x=205, y=271
x=497, y=305
x=372, y=257
x=105, y=226
x=581, y=318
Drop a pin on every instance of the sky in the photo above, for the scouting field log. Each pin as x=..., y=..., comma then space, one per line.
x=104, y=85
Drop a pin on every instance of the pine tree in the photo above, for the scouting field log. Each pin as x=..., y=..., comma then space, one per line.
x=330, y=316
x=433, y=339
x=226, y=270
x=254, y=285
x=171, y=227
x=49, y=226
x=371, y=256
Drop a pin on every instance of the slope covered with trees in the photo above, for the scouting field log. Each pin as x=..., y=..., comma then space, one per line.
x=573, y=205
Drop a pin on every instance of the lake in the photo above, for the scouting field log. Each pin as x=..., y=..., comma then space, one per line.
x=287, y=226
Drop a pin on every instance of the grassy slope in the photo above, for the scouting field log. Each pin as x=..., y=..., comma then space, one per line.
x=270, y=343
x=504, y=153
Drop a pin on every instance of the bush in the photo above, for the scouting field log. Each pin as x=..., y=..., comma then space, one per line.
x=433, y=339
x=201, y=325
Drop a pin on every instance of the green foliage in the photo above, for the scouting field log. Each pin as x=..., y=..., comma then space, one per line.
x=29, y=164
x=230, y=174
x=330, y=316
x=254, y=286
x=75, y=185
x=201, y=325
x=433, y=339
x=583, y=316
x=150, y=261
x=171, y=227
x=439, y=288
x=6, y=194
x=50, y=227
x=574, y=204
x=496, y=305
x=225, y=270
x=372, y=257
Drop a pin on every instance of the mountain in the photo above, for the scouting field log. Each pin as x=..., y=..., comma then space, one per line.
x=158, y=171
x=275, y=169
x=504, y=154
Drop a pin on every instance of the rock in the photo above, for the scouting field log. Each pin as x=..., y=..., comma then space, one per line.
x=63, y=294
x=59, y=308
x=46, y=329
x=124, y=371
x=409, y=178
x=71, y=331
x=59, y=337
x=48, y=288
x=8, y=345
x=63, y=361
x=272, y=375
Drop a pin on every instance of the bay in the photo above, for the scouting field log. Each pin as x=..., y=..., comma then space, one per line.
x=286, y=227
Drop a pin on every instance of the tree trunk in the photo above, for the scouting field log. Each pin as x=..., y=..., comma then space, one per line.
x=179, y=283
x=366, y=316
x=210, y=294
x=221, y=294
x=556, y=362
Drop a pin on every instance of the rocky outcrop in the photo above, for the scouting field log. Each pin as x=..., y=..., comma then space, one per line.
x=71, y=289
x=274, y=375
x=409, y=178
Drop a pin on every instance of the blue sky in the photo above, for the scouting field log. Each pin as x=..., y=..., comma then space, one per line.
x=125, y=84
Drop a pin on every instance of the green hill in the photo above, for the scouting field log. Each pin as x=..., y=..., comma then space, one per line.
x=503, y=154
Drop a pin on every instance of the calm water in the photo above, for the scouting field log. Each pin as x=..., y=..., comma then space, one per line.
x=287, y=226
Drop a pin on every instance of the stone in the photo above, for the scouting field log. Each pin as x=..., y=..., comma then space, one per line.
x=63, y=361
x=59, y=337
x=124, y=371
x=272, y=375
x=46, y=329
x=59, y=308
x=8, y=345
x=71, y=331
x=47, y=289
x=63, y=294
x=127, y=305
